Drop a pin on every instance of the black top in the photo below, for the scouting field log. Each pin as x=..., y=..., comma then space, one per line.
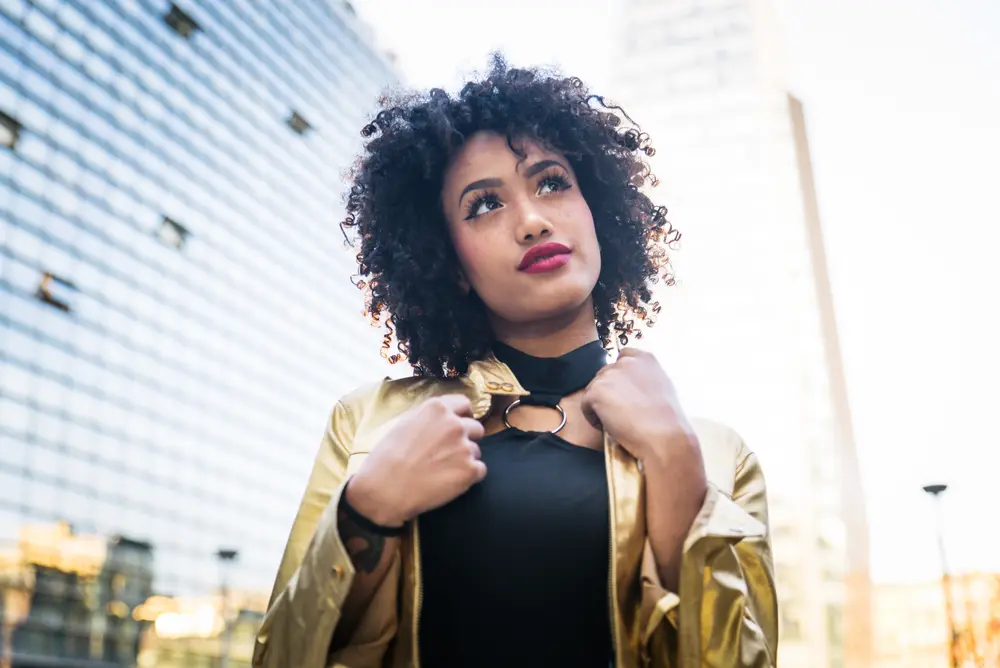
x=515, y=571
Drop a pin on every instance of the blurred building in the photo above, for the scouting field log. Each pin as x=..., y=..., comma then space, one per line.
x=912, y=630
x=176, y=315
x=749, y=332
x=71, y=597
x=187, y=632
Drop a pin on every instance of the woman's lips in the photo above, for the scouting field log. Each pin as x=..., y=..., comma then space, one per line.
x=545, y=264
x=544, y=257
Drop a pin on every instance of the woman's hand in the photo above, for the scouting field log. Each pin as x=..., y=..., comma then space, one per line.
x=428, y=458
x=636, y=404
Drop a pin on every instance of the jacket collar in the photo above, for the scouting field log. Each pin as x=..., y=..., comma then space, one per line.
x=488, y=378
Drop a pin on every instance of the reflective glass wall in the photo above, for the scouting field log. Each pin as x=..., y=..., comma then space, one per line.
x=176, y=316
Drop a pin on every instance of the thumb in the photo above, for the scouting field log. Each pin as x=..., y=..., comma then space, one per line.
x=589, y=412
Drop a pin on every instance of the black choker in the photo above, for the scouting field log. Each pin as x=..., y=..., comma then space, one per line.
x=549, y=379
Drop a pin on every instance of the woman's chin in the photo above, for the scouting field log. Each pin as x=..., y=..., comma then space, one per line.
x=545, y=308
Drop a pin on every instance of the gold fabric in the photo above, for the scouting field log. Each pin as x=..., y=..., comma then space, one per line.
x=725, y=615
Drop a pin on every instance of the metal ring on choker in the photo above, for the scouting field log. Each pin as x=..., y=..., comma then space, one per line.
x=517, y=402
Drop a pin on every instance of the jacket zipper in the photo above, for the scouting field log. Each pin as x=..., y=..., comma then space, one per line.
x=612, y=603
x=419, y=596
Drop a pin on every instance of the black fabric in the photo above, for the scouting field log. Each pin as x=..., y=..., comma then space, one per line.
x=366, y=523
x=549, y=379
x=515, y=572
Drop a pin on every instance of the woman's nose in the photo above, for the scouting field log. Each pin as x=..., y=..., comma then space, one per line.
x=533, y=227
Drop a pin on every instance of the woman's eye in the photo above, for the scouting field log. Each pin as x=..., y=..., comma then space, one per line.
x=487, y=206
x=552, y=184
x=482, y=205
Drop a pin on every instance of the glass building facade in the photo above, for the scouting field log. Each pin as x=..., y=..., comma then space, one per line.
x=176, y=315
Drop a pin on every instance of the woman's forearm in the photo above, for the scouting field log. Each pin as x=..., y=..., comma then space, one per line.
x=371, y=554
x=673, y=499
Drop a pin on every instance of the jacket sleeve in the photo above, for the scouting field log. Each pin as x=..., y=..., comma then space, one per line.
x=727, y=612
x=316, y=573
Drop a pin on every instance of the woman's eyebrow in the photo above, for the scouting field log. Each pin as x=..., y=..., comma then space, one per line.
x=542, y=165
x=478, y=185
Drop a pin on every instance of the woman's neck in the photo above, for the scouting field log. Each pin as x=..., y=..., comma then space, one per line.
x=551, y=337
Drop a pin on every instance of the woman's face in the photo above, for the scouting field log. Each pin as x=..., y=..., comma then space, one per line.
x=523, y=232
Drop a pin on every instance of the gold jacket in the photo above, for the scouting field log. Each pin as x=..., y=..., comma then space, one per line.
x=726, y=614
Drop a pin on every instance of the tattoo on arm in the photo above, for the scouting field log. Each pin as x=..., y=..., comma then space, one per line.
x=364, y=546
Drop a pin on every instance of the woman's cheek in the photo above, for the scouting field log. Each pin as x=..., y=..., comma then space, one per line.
x=474, y=258
x=460, y=243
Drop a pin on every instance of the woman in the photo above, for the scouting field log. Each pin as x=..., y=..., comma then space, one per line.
x=519, y=501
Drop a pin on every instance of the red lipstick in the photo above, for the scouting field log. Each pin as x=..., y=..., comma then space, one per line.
x=544, y=257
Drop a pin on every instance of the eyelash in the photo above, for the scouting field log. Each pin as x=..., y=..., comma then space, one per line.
x=556, y=179
x=560, y=182
x=478, y=201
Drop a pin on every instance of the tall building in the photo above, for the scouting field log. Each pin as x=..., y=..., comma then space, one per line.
x=176, y=314
x=749, y=332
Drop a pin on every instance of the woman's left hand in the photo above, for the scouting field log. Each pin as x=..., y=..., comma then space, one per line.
x=635, y=402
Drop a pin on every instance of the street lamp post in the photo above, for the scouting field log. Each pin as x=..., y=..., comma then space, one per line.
x=936, y=491
x=226, y=557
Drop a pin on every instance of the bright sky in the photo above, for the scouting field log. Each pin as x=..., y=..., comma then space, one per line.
x=903, y=104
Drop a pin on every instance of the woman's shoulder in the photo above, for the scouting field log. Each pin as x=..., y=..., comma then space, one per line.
x=723, y=449
x=719, y=437
x=391, y=396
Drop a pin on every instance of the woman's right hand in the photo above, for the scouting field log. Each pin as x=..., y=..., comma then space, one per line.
x=428, y=458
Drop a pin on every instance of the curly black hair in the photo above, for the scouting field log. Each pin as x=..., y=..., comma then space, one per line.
x=406, y=261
